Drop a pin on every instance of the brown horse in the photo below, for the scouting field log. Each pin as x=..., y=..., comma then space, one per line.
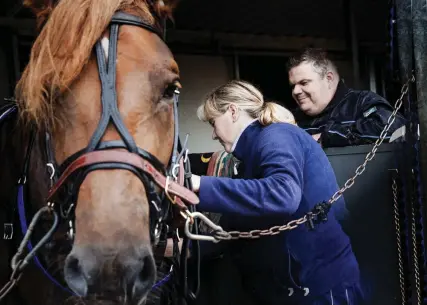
x=99, y=98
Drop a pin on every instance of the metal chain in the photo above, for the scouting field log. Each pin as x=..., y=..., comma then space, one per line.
x=415, y=255
x=220, y=234
x=398, y=240
x=349, y=183
x=13, y=281
x=19, y=261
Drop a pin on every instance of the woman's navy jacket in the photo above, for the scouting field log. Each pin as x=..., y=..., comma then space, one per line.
x=285, y=173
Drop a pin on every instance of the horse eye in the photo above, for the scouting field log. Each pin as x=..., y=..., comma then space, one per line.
x=170, y=91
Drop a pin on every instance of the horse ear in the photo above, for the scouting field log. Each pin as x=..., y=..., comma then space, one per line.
x=166, y=7
x=41, y=8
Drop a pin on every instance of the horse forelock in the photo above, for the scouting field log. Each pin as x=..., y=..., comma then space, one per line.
x=65, y=45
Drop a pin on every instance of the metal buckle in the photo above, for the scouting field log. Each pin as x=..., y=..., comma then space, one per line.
x=167, y=190
x=8, y=231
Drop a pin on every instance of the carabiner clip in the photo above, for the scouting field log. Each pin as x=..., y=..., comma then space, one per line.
x=205, y=220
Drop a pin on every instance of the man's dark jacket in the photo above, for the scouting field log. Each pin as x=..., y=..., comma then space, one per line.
x=352, y=118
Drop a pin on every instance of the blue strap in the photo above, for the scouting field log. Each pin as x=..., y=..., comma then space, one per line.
x=7, y=110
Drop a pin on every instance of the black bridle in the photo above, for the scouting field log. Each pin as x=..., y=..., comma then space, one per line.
x=122, y=154
x=111, y=155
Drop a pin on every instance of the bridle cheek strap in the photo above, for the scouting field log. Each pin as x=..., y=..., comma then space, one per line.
x=132, y=159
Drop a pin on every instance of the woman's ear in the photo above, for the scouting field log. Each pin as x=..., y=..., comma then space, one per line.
x=234, y=112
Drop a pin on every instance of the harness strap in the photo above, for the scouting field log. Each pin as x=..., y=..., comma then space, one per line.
x=124, y=18
x=187, y=293
x=112, y=156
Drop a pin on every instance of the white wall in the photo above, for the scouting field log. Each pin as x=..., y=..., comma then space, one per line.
x=199, y=75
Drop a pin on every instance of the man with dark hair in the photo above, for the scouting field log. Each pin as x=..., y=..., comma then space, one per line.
x=332, y=113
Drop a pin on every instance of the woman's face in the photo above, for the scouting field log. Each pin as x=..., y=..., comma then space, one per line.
x=225, y=129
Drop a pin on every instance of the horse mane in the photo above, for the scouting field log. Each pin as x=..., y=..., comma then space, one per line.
x=69, y=31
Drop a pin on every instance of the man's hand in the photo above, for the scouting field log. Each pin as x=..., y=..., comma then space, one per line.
x=195, y=180
x=316, y=136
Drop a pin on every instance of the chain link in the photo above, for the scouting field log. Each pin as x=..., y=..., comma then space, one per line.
x=19, y=260
x=398, y=240
x=415, y=255
x=359, y=171
x=254, y=234
x=13, y=281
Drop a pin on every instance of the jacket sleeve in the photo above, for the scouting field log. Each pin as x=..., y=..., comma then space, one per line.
x=281, y=162
x=372, y=114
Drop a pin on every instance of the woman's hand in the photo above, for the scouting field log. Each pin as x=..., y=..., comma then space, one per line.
x=195, y=181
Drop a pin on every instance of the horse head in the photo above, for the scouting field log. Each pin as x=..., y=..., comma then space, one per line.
x=100, y=95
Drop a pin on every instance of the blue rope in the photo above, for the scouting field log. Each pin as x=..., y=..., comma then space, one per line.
x=163, y=280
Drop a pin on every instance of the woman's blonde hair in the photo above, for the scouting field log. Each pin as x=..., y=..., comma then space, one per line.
x=247, y=98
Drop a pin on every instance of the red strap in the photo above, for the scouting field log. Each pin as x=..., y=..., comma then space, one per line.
x=212, y=163
x=180, y=180
x=181, y=172
x=119, y=156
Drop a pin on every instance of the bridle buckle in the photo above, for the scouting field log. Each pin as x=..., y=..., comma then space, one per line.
x=186, y=214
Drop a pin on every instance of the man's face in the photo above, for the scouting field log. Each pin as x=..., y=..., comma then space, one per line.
x=311, y=92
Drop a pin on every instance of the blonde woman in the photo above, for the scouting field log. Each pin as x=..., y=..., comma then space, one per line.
x=284, y=174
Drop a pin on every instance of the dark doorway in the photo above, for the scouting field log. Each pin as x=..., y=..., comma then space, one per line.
x=268, y=73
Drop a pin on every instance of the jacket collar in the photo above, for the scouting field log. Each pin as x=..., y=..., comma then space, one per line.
x=339, y=95
x=245, y=139
x=240, y=134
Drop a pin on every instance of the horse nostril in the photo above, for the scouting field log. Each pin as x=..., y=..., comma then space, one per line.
x=143, y=279
x=74, y=276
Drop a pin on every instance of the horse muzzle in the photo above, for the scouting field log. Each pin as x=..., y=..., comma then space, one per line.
x=125, y=275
